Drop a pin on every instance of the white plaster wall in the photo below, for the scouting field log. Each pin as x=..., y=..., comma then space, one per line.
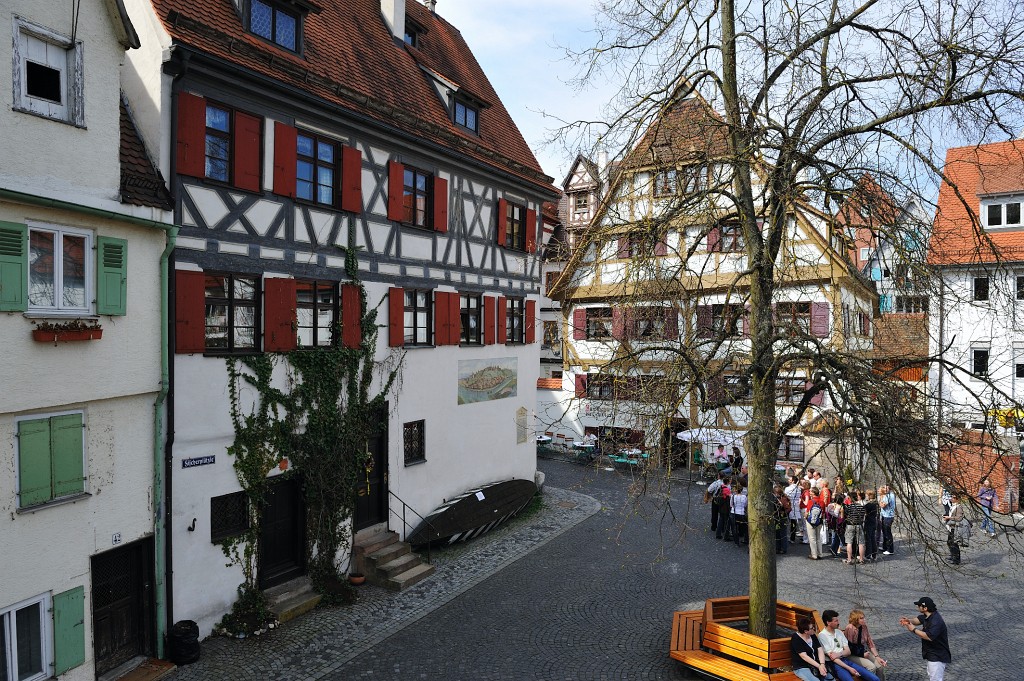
x=125, y=361
x=147, y=87
x=89, y=171
x=60, y=539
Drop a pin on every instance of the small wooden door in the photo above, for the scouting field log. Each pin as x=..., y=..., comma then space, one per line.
x=283, y=534
x=372, y=493
x=122, y=604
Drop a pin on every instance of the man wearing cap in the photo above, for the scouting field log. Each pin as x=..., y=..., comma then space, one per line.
x=837, y=650
x=933, y=635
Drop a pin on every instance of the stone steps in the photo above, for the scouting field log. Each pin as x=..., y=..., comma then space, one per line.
x=388, y=562
x=291, y=599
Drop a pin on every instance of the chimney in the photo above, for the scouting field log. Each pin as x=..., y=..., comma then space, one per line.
x=602, y=164
x=393, y=12
x=431, y=5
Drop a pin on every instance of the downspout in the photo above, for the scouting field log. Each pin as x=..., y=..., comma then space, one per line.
x=159, y=471
x=159, y=531
x=942, y=346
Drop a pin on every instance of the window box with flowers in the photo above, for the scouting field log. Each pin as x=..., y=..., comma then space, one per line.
x=73, y=330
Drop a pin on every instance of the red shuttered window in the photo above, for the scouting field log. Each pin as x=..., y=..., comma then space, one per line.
x=217, y=143
x=189, y=312
x=351, y=315
x=279, y=318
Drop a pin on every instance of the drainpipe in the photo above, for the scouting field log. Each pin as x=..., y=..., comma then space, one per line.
x=159, y=531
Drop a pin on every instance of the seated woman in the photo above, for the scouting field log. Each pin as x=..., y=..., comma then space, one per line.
x=808, y=654
x=862, y=647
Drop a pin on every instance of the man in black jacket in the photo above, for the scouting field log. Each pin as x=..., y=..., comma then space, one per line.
x=933, y=635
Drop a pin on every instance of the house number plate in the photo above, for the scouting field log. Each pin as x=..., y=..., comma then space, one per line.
x=115, y=538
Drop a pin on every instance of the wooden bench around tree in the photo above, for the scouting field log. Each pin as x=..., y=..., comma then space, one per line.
x=703, y=640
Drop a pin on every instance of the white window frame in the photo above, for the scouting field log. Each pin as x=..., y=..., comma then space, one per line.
x=865, y=253
x=45, y=633
x=1001, y=202
x=72, y=110
x=58, y=309
x=988, y=362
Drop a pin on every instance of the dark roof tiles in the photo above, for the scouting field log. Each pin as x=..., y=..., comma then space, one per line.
x=141, y=182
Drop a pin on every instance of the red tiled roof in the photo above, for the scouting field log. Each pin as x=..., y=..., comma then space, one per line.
x=689, y=131
x=957, y=235
x=141, y=182
x=549, y=383
x=351, y=60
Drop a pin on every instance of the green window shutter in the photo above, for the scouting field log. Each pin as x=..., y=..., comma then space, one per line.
x=13, y=267
x=66, y=454
x=111, y=275
x=68, y=630
x=34, y=477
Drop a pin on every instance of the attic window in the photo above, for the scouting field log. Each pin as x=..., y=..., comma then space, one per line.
x=466, y=115
x=272, y=21
x=413, y=33
x=1002, y=213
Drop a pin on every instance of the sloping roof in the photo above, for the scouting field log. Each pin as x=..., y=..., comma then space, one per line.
x=141, y=182
x=975, y=171
x=351, y=60
x=688, y=131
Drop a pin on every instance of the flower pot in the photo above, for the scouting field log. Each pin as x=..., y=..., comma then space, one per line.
x=356, y=578
x=47, y=336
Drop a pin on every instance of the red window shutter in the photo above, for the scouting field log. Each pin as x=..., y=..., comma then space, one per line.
x=500, y=313
x=351, y=180
x=502, y=221
x=440, y=205
x=671, y=320
x=489, y=305
x=351, y=316
x=818, y=398
x=191, y=136
x=396, y=189
x=661, y=246
x=623, y=251
x=396, y=317
x=189, y=312
x=285, y=139
x=279, y=315
x=579, y=323
x=819, y=319
x=442, y=324
x=531, y=232
x=704, y=322
x=248, y=138
x=581, y=385
x=530, y=327
x=715, y=239
x=618, y=324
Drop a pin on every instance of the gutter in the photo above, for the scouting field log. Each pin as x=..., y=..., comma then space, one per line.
x=159, y=530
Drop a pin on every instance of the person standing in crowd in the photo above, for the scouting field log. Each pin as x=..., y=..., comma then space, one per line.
x=738, y=502
x=855, y=514
x=934, y=637
x=835, y=523
x=714, y=495
x=871, y=524
x=954, y=526
x=724, y=529
x=807, y=652
x=721, y=459
x=792, y=491
x=987, y=501
x=814, y=517
x=862, y=647
x=887, y=515
x=837, y=649
x=945, y=496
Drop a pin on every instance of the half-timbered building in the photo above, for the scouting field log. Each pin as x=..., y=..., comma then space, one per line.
x=85, y=227
x=330, y=157
x=657, y=270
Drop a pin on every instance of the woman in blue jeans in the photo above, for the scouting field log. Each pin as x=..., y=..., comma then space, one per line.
x=987, y=499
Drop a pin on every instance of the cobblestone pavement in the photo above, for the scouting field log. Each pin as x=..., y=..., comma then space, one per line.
x=585, y=590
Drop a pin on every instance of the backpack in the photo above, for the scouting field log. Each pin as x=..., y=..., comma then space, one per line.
x=814, y=516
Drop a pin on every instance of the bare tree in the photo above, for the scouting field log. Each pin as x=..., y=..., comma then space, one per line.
x=804, y=100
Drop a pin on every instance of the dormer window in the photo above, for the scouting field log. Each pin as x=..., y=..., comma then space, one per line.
x=413, y=33
x=272, y=21
x=1002, y=213
x=466, y=115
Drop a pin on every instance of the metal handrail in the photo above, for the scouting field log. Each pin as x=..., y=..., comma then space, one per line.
x=406, y=525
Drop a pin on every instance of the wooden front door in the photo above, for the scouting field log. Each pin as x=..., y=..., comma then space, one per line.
x=122, y=604
x=372, y=493
x=283, y=533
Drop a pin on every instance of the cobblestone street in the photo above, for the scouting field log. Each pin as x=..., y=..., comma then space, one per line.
x=585, y=590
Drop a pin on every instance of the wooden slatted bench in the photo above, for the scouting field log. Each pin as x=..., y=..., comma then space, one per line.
x=702, y=641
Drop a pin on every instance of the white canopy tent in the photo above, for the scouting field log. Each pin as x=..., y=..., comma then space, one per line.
x=715, y=437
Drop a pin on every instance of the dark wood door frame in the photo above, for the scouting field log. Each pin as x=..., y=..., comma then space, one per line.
x=372, y=501
x=282, y=550
x=122, y=604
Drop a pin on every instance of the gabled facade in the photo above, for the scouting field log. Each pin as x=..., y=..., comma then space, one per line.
x=331, y=159
x=977, y=323
x=638, y=281
x=84, y=229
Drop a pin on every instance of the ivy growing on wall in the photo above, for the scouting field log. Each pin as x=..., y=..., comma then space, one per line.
x=321, y=422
